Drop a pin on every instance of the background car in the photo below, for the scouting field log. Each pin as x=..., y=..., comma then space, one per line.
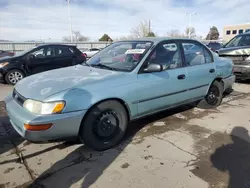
x=90, y=52
x=238, y=50
x=38, y=59
x=214, y=46
x=96, y=101
x=4, y=53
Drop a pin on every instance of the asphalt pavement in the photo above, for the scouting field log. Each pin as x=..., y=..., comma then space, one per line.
x=5, y=90
x=183, y=148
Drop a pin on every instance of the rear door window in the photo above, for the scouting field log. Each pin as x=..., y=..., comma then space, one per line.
x=64, y=51
x=196, y=55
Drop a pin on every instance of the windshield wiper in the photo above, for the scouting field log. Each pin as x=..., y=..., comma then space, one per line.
x=103, y=66
x=85, y=63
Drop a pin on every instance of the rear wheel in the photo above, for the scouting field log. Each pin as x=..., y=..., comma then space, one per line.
x=14, y=76
x=214, y=96
x=104, y=126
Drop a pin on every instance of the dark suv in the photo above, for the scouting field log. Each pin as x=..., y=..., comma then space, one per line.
x=41, y=58
x=238, y=49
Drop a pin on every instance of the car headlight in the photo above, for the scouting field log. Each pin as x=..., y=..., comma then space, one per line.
x=46, y=108
x=248, y=58
x=3, y=64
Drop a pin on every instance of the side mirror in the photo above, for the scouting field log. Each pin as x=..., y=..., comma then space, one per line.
x=30, y=57
x=153, y=68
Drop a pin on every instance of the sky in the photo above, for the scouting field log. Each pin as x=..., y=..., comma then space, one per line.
x=49, y=20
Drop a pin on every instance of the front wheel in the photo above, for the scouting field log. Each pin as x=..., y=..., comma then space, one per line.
x=14, y=76
x=104, y=126
x=214, y=96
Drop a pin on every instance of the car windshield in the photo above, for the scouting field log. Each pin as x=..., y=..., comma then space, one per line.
x=120, y=56
x=24, y=52
x=234, y=42
x=243, y=40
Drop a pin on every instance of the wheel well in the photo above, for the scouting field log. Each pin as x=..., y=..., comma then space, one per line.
x=220, y=80
x=15, y=69
x=123, y=103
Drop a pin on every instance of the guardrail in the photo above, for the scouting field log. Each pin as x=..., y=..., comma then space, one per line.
x=18, y=47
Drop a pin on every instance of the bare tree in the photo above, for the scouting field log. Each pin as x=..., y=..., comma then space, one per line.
x=77, y=37
x=66, y=39
x=174, y=33
x=142, y=30
x=190, y=32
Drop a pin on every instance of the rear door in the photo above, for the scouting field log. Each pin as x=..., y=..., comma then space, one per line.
x=200, y=68
x=64, y=56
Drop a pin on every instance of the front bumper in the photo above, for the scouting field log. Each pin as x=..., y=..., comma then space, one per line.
x=242, y=71
x=228, y=82
x=64, y=125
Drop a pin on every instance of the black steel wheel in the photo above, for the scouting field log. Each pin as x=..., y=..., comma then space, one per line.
x=214, y=96
x=104, y=125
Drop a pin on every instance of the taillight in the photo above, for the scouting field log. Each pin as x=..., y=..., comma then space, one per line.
x=84, y=55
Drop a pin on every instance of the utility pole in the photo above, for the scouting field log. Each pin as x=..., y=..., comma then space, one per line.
x=149, y=26
x=70, y=24
x=189, y=22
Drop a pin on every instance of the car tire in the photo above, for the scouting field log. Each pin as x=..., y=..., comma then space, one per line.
x=214, y=96
x=104, y=125
x=14, y=76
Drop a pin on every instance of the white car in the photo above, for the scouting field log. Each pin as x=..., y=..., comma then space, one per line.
x=90, y=52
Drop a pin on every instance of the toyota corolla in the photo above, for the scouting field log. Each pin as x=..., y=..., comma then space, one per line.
x=96, y=100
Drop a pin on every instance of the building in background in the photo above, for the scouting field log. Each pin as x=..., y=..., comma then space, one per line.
x=231, y=31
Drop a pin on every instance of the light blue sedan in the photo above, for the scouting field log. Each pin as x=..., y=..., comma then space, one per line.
x=125, y=81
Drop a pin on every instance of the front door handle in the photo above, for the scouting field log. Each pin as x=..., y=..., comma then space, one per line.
x=181, y=77
x=212, y=70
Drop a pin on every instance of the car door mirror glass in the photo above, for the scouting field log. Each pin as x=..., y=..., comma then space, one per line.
x=154, y=67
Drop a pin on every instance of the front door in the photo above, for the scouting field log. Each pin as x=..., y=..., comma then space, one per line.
x=40, y=60
x=200, y=68
x=159, y=90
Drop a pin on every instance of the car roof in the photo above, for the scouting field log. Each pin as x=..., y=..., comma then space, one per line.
x=54, y=44
x=158, y=39
x=242, y=34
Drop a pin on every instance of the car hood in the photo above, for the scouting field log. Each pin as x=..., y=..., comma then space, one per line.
x=42, y=85
x=8, y=58
x=234, y=51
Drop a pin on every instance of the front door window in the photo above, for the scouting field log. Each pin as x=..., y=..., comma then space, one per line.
x=167, y=54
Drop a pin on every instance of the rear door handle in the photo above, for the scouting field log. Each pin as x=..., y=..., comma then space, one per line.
x=212, y=70
x=181, y=77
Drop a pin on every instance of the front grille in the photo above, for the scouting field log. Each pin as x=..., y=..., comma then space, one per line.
x=240, y=62
x=18, y=98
